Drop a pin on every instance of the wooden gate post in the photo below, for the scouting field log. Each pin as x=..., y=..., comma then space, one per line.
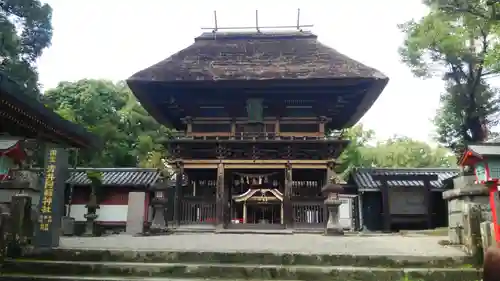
x=179, y=179
x=287, y=198
x=220, y=198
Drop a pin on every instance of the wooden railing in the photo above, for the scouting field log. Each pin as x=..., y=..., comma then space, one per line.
x=310, y=214
x=256, y=136
x=196, y=210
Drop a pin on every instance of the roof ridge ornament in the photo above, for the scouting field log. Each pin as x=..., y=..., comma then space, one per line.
x=258, y=28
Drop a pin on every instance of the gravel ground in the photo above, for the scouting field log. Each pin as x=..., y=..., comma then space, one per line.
x=424, y=246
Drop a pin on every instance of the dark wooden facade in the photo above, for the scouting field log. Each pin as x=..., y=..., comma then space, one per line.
x=284, y=172
x=255, y=116
x=399, y=198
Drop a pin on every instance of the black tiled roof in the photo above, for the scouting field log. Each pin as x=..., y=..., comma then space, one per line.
x=362, y=177
x=117, y=176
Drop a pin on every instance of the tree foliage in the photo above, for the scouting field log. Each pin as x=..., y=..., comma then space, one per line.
x=355, y=154
x=450, y=115
x=110, y=111
x=25, y=31
x=457, y=41
x=403, y=152
x=396, y=152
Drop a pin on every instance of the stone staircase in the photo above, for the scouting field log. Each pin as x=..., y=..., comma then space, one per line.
x=160, y=265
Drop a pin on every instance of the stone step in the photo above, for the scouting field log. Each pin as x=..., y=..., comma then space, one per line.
x=237, y=271
x=22, y=277
x=251, y=258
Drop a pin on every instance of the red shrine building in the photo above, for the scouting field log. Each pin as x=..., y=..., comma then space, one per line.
x=259, y=117
x=11, y=156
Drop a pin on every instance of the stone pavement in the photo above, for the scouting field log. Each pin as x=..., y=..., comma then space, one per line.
x=387, y=245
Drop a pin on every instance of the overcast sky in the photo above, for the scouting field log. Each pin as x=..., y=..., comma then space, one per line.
x=112, y=39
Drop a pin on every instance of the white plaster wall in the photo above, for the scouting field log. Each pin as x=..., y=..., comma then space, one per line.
x=107, y=213
x=345, y=213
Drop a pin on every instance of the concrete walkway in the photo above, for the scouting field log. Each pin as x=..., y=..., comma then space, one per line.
x=387, y=245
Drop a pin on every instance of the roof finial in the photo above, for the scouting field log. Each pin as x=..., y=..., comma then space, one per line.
x=257, y=20
x=215, y=22
x=216, y=28
x=298, y=20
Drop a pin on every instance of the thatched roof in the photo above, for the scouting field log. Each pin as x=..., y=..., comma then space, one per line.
x=256, y=56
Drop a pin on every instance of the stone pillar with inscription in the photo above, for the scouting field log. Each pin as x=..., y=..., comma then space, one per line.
x=51, y=204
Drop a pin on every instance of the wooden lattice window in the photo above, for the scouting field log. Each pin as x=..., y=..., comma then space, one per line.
x=254, y=128
x=291, y=128
x=211, y=128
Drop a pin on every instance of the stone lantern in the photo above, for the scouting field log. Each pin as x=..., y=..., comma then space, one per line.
x=159, y=202
x=92, y=206
x=332, y=203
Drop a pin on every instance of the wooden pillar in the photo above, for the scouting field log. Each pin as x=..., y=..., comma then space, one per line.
x=323, y=120
x=277, y=127
x=245, y=212
x=220, y=198
x=287, y=198
x=386, y=207
x=189, y=125
x=330, y=172
x=178, y=192
x=428, y=203
x=330, y=177
x=233, y=128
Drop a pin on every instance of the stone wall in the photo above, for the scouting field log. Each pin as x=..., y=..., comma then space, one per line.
x=472, y=240
x=488, y=235
x=465, y=192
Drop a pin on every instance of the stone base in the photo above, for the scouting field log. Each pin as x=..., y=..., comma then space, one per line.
x=89, y=229
x=464, y=192
x=334, y=232
x=158, y=230
x=68, y=226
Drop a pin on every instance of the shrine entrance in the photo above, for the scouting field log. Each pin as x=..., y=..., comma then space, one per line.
x=259, y=202
x=263, y=213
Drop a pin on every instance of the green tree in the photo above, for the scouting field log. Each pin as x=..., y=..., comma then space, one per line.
x=148, y=148
x=355, y=154
x=396, y=152
x=110, y=111
x=25, y=31
x=403, y=152
x=450, y=115
x=457, y=41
